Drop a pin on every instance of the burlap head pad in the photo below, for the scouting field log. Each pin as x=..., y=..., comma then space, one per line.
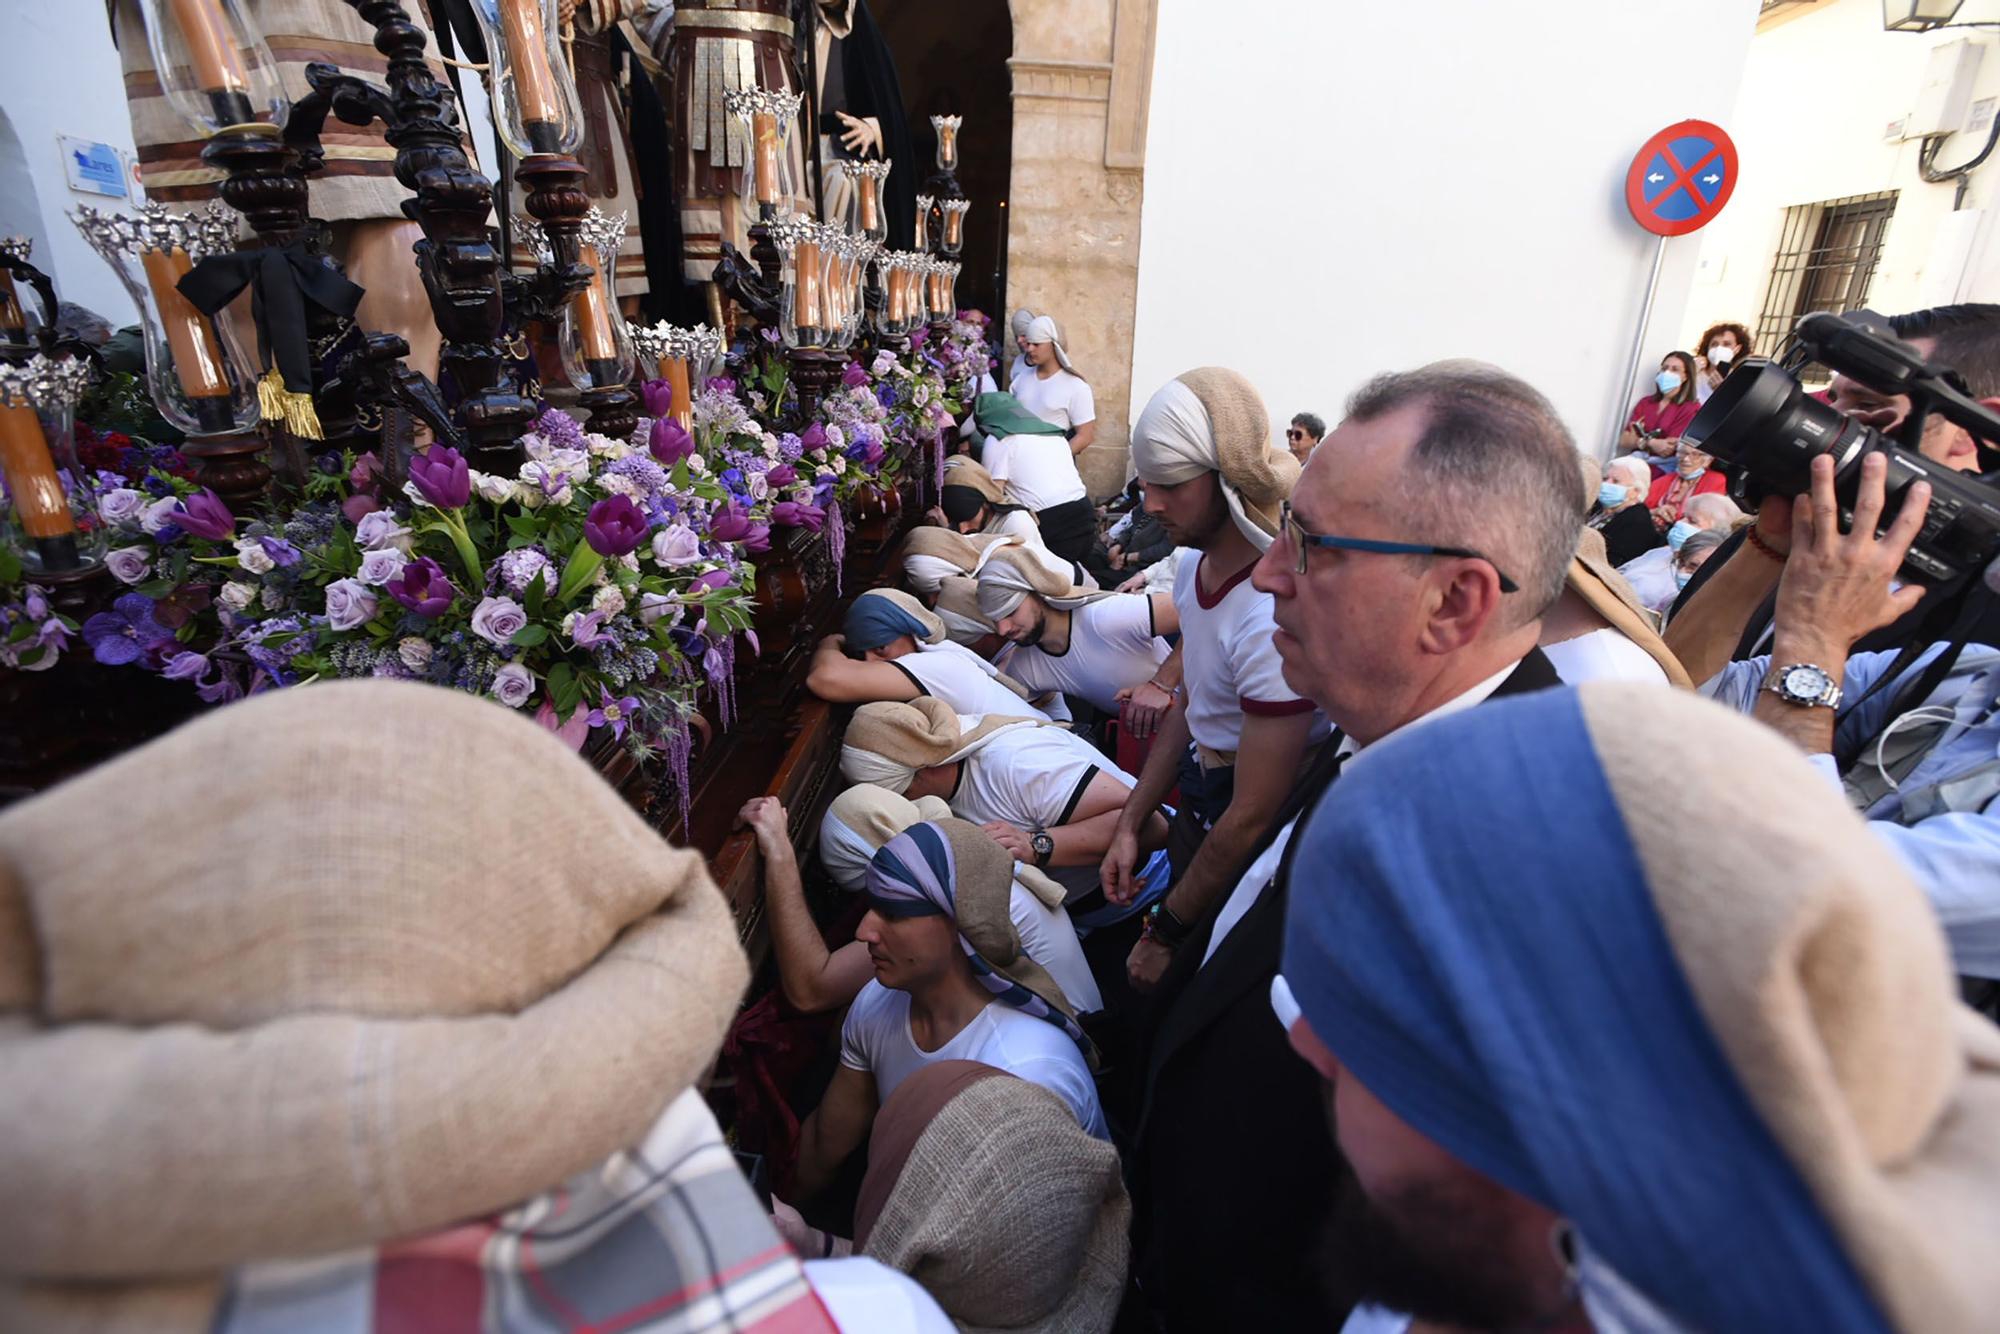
x=1262, y=473
x=1593, y=578
x=350, y=962
x=962, y=471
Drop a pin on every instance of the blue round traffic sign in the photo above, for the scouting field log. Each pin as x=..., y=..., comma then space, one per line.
x=1681, y=178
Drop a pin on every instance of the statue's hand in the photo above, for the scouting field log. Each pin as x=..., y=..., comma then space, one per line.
x=862, y=136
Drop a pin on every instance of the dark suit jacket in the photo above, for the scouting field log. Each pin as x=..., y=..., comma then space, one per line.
x=1234, y=1164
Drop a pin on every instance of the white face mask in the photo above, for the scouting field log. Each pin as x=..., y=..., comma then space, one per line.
x=1721, y=355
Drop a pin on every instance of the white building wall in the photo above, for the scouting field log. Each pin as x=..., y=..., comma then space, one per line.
x=1337, y=189
x=1818, y=92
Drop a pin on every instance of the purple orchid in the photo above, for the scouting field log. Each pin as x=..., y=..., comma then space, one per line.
x=126, y=633
x=423, y=588
x=670, y=442
x=658, y=397
x=441, y=474
x=613, y=713
x=614, y=526
x=204, y=515
x=588, y=630
x=792, y=514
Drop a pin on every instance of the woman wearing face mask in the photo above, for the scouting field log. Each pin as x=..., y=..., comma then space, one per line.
x=1692, y=476
x=1723, y=348
x=1652, y=575
x=1658, y=420
x=1621, y=514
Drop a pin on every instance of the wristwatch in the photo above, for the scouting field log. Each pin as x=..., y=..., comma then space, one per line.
x=1044, y=846
x=1164, y=927
x=1806, y=685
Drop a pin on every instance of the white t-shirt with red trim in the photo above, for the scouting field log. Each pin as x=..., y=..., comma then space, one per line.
x=1229, y=664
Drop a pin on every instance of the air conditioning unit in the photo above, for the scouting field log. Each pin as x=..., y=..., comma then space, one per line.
x=1945, y=96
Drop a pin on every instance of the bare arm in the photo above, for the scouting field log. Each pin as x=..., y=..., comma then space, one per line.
x=812, y=977
x=1162, y=771
x=839, y=679
x=1083, y=437
x=1273, y=749
x=1703, y=634
x=1091, y=827
x=1167, y=621
x=835, y=1129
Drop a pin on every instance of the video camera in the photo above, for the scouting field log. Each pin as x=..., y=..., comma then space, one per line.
x=1766, y=431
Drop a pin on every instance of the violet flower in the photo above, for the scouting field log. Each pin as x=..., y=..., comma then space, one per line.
x=366, y=467
x=358, y=507
x=422, y=587
x=728, y=524
x=782, y=475
x=613, y=713
x=587, y=631
x=721, y=384
x=440, y=473
x=614, y=527
x=709, y=582
x=204, y=515
x=670, y=442
x=127, y=632
x=658, y=397
x=791, y=514
x=281, y=552
x=814, y=437
x=855, y=375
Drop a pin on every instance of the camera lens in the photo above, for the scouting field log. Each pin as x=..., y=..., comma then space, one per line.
x=1763, y=425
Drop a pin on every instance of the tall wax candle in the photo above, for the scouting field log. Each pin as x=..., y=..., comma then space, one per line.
x=197, y=355
x=592, y=310
x=806, y=280
x=13, y=319
x=218, y=66
x=898, y=305
x=871, y=209
x=527, y=38
x=764, y=129
x=38, y=494
x=675, y=371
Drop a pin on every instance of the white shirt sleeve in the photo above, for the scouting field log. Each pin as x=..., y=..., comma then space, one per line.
x=861, y=1028
x=1259, y=671
x=1082, y=403
x=1069, y=1081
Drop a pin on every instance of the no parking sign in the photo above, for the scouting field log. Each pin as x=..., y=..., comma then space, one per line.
x=1681, y=178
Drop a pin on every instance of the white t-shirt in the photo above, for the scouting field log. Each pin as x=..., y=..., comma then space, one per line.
x=876, y=1039
x=1063, y=399
x=865, y=1296
x=1021, y=524
x=1049, y=938
x=1112, y=647
x=1030, y=777
x=1652, y=578
x=961, y=678
x=1604, y=655
x=1037, y=470
x=1229, y=664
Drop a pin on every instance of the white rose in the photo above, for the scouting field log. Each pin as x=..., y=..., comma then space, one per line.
x=237, y=596
x=128, y=565
x=608, y=600
x=251, y=557
x=695, y=464
x=757, y=485
x=652, y=606
x=494, y=489
x=415, y=653
x=836, y=438
x=272, y=598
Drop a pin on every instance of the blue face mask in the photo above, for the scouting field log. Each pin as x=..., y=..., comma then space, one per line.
x=1681, y=578
x=1611, y=495
x=1680, y=533
x=1668, y=381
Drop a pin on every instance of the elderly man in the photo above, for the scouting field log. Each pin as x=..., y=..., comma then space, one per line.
x=1087, y=643
x=1215, y=482
x=1053, y=390
x=895, y=648
x=1416, y=559
x=1716, y=1083
x=951, y=984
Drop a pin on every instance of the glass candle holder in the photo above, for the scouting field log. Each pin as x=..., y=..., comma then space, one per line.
x=680, y=356
x=596, y=344
x=765, y=117
x=947, y=141
x=535, y=106
x=13, y=315
x=51, y=515
x=843, y=287
x=871, y=219
x=954, y=224
x=198, y=372
x=802, y=257
x=213, y=64
x=925, y=207
x=860, y=278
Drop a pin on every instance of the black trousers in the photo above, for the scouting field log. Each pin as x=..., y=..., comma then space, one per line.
x=1069, y=529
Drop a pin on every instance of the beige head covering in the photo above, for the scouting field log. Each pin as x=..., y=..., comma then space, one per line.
x=1005, y=1210
x=865, y=816
x=887, y=742
x=1212, y=420
x=1593, y=578
x=932, y=554
x=960, y=470
x=1043, y=330
x=1023, y=320
x=1007, y=576
x=365, y=987
x=958, y=608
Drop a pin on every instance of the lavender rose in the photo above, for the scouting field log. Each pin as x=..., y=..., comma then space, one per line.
x=128, y=565
x=349, y=604
x=123, y=506
x=378, y=567
x=251, y=557
x=513, y=685
x=498, y=620
x=676, y=545
x=380, y=529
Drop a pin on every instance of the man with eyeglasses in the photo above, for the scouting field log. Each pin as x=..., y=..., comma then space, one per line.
x=1304, y=435
x=1411, y=569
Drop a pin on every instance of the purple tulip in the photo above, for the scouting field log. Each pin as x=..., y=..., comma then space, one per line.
x=720, y=384
x=440, y=473
x=729, y=525
x=709, y=582
x=359, y=507
x=204, y=515
x=658, y=396
x=855, y=375
x=759, y=538
x=422, y=587
x=614, y=526
x=670, y=441
x=814, y=437
x=791, y=514
x=784, y=474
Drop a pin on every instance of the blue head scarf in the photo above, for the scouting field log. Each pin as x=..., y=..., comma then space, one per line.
x=875, y=618
x=928, y=870
x=1471, y=932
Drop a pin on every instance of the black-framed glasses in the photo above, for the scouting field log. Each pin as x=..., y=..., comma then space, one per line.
x=1303, y=541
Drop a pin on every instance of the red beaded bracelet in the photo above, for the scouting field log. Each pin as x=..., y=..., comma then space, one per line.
x=1758, y=542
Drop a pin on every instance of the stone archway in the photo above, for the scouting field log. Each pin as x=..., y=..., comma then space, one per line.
x=1082, y=74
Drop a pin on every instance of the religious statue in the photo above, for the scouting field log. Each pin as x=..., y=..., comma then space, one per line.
x=861, y=114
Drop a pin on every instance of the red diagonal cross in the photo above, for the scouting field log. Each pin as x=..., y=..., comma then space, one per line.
x=1683, y=178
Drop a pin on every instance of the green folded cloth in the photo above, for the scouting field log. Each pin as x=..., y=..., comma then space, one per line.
x=1001, y=414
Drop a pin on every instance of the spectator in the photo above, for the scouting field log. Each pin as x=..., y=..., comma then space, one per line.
x=1470, y=476
x=1096, y=646
x=1721, y=349
x=1024, y=320
x=1055, y=392
x=1304, y=435
x=1652, y=575
x=1659, y=419
x=976, y=504
x=860, y=820
x=895, y=648
x=1202, y=447
x=1136, y=541
x=1046, y=794
x=944, y=952
x=1522, y=1088
x=1694, y=553
x=1692, y=476
x=982, y=1187
x=1621, y=514
x=1027, y=455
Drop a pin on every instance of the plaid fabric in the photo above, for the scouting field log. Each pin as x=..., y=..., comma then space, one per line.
x=664, y=1239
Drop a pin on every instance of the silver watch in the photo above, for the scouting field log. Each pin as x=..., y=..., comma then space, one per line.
x=1805, y=685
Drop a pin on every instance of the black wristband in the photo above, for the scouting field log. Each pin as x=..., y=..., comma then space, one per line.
x=1171, y=930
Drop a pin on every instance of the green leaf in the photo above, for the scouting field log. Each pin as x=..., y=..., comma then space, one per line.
x=679, y=478
x=530, y=635
x=10, y=567
x=537, y=594
x=567, y=698
x=156, y=588
x=523, y=526
x=560, y=676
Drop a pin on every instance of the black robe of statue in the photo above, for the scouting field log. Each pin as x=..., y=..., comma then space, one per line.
x=864, y=85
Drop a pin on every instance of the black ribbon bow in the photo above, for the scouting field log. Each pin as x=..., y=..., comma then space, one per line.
x=281, y=279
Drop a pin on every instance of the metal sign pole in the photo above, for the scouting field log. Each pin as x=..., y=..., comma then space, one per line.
x=1638, y=344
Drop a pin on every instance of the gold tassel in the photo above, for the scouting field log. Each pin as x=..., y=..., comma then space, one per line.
x=278, y=404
